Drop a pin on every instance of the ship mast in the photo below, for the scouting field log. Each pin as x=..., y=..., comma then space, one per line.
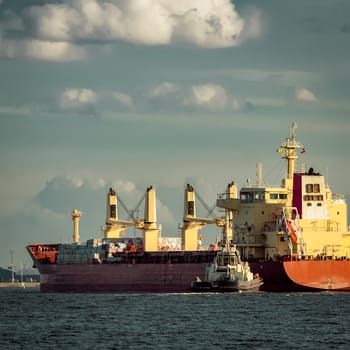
x=288, y=148
x=76, y=214
x=290, y=145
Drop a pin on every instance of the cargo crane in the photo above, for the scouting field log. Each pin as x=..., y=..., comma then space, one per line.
x=191, y=223
x=115, y=228
x=149, y=224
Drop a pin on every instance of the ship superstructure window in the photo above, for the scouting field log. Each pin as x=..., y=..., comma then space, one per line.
x=309, y=188
x=312, y=188
x=275, y=196
x=259, y=196
x=252, y=196
x=310, y=197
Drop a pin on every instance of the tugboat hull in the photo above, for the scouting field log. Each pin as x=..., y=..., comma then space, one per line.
x=226, y=286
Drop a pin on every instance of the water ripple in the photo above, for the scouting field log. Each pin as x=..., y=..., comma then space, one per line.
x=31, y=320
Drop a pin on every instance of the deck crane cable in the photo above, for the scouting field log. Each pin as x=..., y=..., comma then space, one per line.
x=131, y=213
x=210, y=210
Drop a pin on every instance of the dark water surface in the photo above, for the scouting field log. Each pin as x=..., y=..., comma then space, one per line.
x=31, y=320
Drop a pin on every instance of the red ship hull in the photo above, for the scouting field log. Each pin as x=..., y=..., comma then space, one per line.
x=173, y=272
x=320, y=274
x=303, y=275
x=123, y=278
x=282, y=276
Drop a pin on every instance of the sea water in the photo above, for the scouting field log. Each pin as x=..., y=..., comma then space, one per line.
x=33, y=320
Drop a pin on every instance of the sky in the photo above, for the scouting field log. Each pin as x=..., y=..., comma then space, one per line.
x=132, y=93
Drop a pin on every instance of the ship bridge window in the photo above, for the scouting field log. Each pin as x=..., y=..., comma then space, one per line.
x=319, y=204
x=250, y=197
x=273, y=196
x=309, y=188
x=283, y=196
x=259, y=196
x=312, y=188
x=244, y=197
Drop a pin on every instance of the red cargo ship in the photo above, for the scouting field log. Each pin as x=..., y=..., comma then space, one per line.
x=295, y=237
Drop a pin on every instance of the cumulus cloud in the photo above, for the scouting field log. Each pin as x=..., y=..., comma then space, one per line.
x=13, y=44
x=41, y=50
x=204, y=23
x=168, y=96
x=66, y=26
x=305, y=95
x=53, y=51
x=124, y=99
x=209, y=95
x=78, y=99
x=164, y=97
x=124, y=186
x=162, y=89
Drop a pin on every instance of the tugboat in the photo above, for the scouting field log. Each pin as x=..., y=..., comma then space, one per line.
x=227, y=273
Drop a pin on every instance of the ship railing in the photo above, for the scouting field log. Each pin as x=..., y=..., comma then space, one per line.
x=252, y=200
x=256, y=240
x=298, y=257
x=329, y=226
x=338, y=198
x=303, y=257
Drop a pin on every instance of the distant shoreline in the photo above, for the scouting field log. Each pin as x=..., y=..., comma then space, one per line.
x=19, y=284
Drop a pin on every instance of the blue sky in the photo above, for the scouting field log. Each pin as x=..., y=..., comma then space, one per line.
x=136, y=93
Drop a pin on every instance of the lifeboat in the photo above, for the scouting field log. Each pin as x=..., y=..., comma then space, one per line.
x=293, y=230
